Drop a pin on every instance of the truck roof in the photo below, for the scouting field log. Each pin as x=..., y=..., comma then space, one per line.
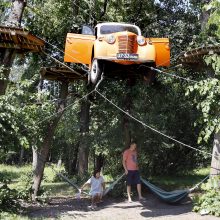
x=118, y=23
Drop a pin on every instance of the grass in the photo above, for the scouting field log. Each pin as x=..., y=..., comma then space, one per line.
x=19, y=175
x=58, y=187
x=181, y=181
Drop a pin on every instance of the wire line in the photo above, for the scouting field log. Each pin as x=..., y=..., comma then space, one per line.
x=153, y=129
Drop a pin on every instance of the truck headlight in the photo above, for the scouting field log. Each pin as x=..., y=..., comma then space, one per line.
x=141, y=40
x=111, y=39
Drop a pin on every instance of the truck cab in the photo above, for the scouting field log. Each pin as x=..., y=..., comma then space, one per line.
x=112, y=45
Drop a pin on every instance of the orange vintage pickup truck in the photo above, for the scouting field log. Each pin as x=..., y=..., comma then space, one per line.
x=116, y=49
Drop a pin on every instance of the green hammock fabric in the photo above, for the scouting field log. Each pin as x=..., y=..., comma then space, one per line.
x=111, y=187
x=170, y=197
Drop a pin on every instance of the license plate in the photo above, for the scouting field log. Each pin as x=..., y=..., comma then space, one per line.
x=127, y=56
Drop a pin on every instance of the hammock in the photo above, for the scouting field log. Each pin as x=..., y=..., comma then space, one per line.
x=170, y=197
x=113, y=184
x=79, y=191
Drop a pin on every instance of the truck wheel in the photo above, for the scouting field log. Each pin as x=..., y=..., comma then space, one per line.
x=96, y=71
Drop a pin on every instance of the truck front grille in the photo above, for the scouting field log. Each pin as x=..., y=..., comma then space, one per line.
x=126, y=43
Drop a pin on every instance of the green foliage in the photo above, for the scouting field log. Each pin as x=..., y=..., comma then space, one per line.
x=119, y=190
x=209, y=202
x=8, y=198
x=20, y=114
x=12, y=216
x=206, y=96
x=214, y=20
x=162, y=106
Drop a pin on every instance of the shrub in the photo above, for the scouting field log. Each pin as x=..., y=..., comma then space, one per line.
x=8, y=199
x=209, y=202
x=119, y=191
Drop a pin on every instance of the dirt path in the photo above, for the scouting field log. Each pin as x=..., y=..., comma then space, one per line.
x=111, y=209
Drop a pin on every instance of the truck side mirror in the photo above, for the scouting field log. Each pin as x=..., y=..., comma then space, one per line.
x=87, y=30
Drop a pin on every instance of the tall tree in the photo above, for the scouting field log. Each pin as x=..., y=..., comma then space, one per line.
x=8, y=55
x=40, y=156
x=83, y=152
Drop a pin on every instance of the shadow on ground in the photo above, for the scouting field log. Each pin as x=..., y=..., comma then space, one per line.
x=109, y=209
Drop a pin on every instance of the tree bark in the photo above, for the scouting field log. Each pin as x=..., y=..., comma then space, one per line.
x=83, y=153
x=40, y=155
x=21, y=156
x=99, y=162
x=215, y=164
x=204, y=15
x=70, y=158
x=15, y=16
x=103, y=10
x=6, y=62
x=8, y=55
x=127, y=105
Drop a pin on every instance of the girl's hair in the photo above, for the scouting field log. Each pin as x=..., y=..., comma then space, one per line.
x=96, y=171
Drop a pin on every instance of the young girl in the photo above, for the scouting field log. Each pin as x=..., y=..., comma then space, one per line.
x=97, y=184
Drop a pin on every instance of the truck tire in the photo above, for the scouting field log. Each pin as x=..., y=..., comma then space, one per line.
x=96, y=71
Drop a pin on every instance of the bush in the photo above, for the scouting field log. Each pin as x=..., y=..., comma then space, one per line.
x=12, y=216
x=119, y=191
x=209, y=202
x=8, y=199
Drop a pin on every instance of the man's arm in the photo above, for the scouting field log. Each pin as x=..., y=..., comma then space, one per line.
x=124, y=165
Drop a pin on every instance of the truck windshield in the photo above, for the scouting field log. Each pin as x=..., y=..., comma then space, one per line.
x=109, y=29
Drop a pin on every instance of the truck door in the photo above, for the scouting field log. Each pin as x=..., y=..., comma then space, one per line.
x=78, y=47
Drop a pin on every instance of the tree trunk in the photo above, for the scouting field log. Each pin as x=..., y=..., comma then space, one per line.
x=127, y=105
x=99, y=162
x=215, y=164
x=6, y=62
x=83, y=153
x=21, y=156
x=15, y=16
x=204, y=17
x=8, y=55
x=40, y=155
x=74, y=159
x=70, y=158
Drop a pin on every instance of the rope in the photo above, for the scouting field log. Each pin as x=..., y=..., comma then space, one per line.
x=198, y=184
x=76, y=101
x=63, y=64
x=113, y=184
x=68, y=180
x=169, y=74
x=86, y=70
x=153, y=129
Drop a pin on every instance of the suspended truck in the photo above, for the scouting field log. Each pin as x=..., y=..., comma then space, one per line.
x=117, y=50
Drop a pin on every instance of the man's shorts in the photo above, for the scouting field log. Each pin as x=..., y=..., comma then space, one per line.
x=133, y=177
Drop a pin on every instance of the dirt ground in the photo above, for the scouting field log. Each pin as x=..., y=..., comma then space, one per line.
x=112, y=209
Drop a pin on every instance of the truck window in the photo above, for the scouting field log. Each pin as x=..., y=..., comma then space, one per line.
x=109, y=29
x=87, y=30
